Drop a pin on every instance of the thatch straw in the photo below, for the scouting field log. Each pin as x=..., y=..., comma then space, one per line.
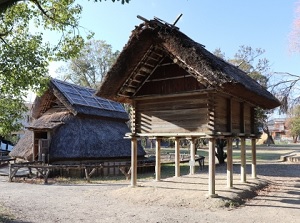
x=191, y=56
x=78, y=132
x=23, y=149
x=86, y=138
x=78, y=137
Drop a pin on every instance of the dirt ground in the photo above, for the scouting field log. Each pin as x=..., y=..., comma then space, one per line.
x=182, y=199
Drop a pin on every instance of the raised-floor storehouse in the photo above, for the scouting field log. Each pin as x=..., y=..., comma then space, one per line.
x=179, y=89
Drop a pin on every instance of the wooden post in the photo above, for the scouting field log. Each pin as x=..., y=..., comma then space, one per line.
x=192, y=155
x=133, y=161
x=33, y=146
x=9, y=173
x=157, y=162
x=229, y=163
x=253, y=145
x=243, y=160
x=177, y=157
x=212, y=168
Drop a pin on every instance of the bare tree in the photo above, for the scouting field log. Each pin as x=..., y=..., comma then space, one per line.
x=294, y=37
x=90, y=67
x=249, y=60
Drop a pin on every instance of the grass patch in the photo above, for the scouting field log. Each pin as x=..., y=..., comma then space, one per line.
x=260, y=155
x=5, y=215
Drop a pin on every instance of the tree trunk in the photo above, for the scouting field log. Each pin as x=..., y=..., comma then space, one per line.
x=221, y=156
x=270, y=139
x=295, y=139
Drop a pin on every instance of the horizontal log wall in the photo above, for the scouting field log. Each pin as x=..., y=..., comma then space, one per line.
x=172, y=115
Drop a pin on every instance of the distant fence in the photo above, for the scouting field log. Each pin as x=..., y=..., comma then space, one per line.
x=43, y=170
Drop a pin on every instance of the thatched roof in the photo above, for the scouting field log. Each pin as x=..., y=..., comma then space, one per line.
x=23, y=149
x=78, y=100
x=51, y=119
x=79, y=138
x=82, y=125
x=86, y=138
x=156, y=38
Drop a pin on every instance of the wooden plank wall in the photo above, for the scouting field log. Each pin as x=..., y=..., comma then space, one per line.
x=172, y=115
x=247, y=115
x=235, y=108
x=233, y=115
x=220, y=114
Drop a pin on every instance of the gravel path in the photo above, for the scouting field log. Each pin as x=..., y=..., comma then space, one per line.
x=180, y=199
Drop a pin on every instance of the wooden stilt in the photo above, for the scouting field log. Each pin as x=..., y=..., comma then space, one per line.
x=157, y=163
x=253, y=146
x=133, y=161
x=177, y=157
x=192, y=155
x=212, y=168
x=229, y=163
x=243, y=160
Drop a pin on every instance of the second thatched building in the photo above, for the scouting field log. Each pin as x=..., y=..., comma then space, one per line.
x=72, y=126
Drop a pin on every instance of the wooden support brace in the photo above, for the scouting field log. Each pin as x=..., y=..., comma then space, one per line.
x=12, y=172
x=127, y=174
x=46, y=176
x=89, y=174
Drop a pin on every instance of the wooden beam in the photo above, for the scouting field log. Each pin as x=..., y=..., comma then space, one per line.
x=150, y=73
x=136, y=69
x=229, y=163
x=177, y=157
x=133, y=162
x=133, y=117
x=192, y=155
x=253, y=165
x=178, y=134
x=243, y=160
x=169, y=78
x=211, y=168
x=158, y=160
x=229, y=115
x=252, y=120
x=191, y=93
x=242, y=117
x=33, y=147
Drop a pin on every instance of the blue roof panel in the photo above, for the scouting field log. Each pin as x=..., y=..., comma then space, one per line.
x=78, y=95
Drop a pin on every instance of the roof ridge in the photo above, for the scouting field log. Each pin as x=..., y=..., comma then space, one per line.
x=72, y=84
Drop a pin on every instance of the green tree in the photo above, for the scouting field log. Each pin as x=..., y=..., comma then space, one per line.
x=92, y=64
x=25, y=54
x=294, y=123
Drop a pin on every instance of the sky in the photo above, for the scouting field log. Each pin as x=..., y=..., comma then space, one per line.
x=225, y=24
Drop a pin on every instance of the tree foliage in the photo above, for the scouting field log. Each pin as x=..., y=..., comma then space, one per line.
x=294, y=123
x=25, y=53
x=93, y=62
x=122, y=1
